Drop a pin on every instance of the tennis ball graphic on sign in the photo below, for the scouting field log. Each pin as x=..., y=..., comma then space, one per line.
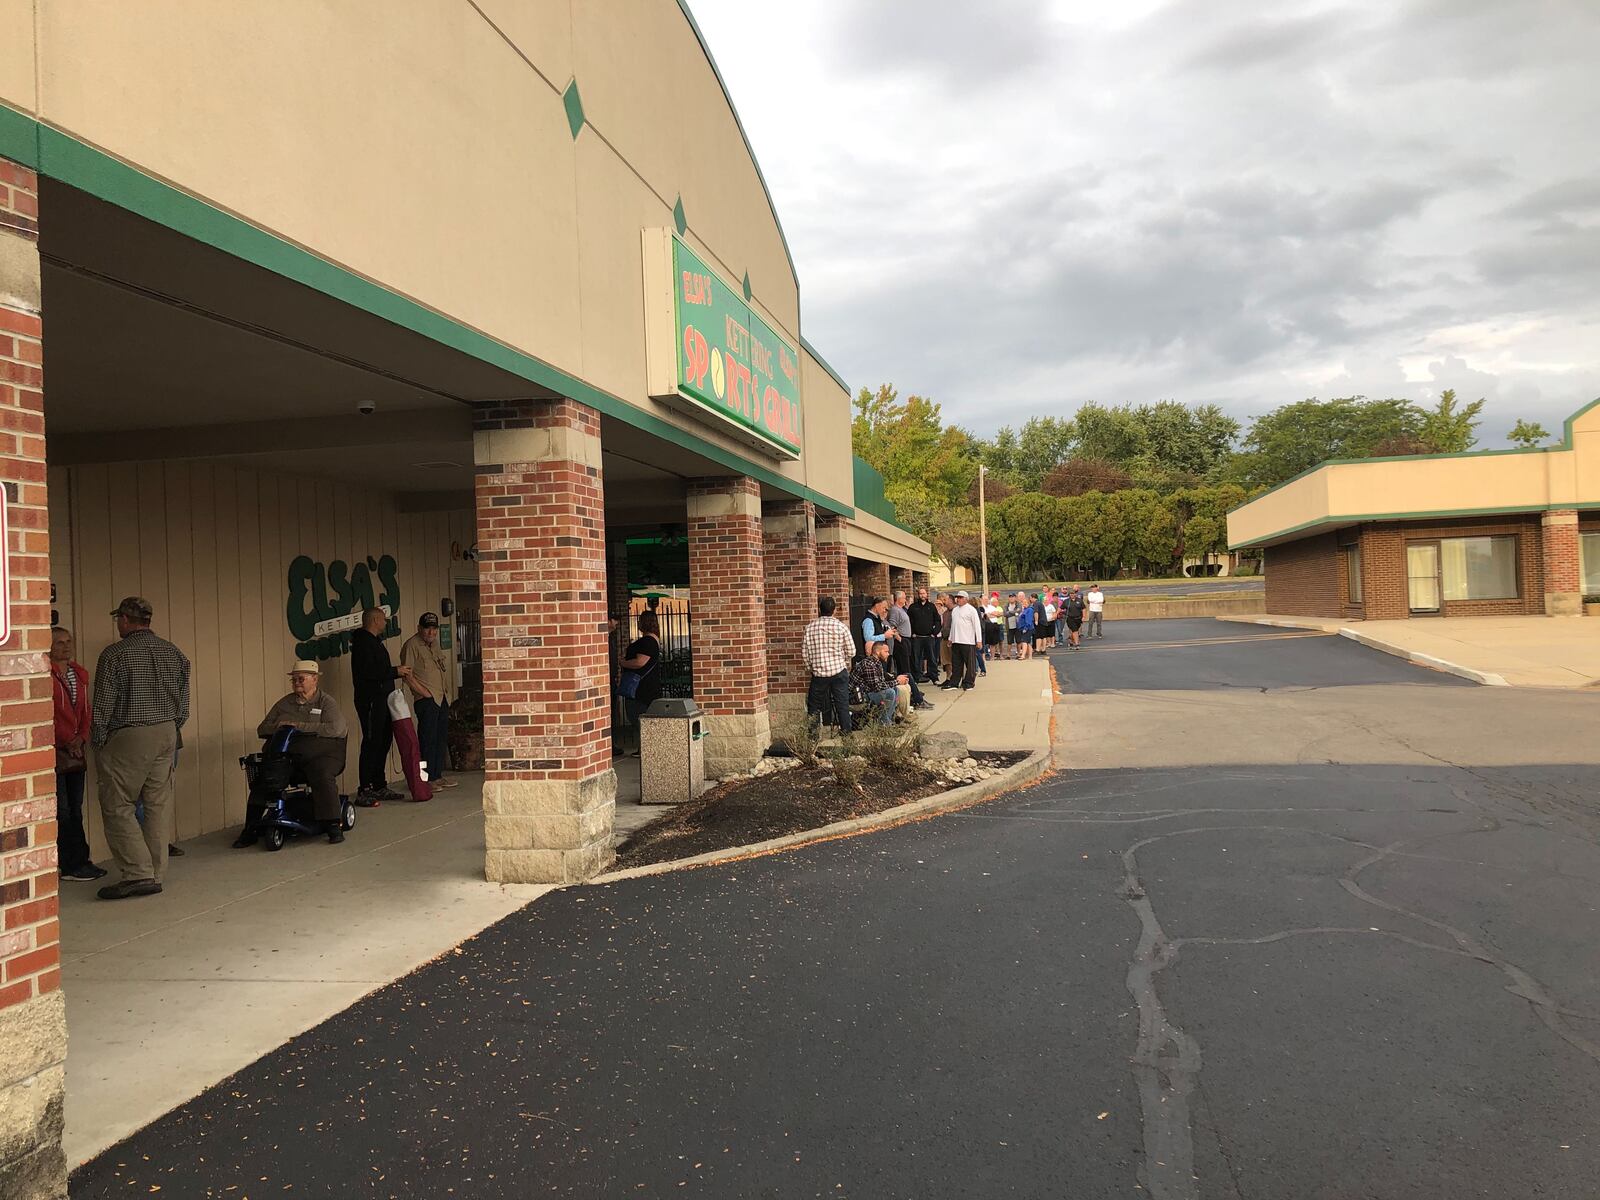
x=719, y=375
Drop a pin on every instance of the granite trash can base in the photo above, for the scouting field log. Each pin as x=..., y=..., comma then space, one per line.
x=672, y=764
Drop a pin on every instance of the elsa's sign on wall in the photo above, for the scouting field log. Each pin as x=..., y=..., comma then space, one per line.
x=325, y=602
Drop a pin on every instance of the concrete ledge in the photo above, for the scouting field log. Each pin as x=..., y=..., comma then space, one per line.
x=1026, y=771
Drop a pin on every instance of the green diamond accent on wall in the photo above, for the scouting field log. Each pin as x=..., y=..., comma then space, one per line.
x=747, y=292
x=573, y=103
x=679, y=219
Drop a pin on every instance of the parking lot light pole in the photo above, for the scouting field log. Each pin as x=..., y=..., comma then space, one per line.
x=983, y=529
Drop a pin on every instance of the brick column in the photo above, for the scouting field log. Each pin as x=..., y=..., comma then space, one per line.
x=727, y=633
x=549, y=794
x=833, y=561
x=33, y=1023
x=789, y=549
x=618, y=599
x=919, y=579
x=1563, y=580
x=900, y=580
x=870, y=579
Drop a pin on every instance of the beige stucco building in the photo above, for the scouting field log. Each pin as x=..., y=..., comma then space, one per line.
x=1491, y=532
x=446, y=306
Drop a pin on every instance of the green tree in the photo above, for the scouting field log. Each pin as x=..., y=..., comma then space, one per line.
x=926, y=464
x=1114, y=435
x=1447, y=429
x=1296, y=437
x=1044, y=443
x=1527, y=433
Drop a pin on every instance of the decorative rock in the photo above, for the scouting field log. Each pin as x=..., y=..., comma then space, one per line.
x=944, y=743
x=969, y=762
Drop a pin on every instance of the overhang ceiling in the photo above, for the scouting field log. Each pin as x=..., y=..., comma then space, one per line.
x=159, y=346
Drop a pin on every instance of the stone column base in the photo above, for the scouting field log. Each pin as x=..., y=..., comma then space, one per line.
x=785, y=705
x=548, y=830
x=735, y=742
x=1563, y=604
x=32, y=1081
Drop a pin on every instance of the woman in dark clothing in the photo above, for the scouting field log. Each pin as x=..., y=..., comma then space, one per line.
x=643, y=658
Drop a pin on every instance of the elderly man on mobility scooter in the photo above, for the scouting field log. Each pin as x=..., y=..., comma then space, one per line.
x=317, y=749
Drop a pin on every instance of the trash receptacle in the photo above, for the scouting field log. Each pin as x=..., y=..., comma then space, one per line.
x=672, y=763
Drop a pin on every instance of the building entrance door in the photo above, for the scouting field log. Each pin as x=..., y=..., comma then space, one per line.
x=1422, y=578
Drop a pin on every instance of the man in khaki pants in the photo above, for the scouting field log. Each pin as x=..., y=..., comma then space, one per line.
x=141, y=698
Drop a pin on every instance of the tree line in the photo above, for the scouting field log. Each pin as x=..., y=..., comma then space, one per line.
x=1132, y=486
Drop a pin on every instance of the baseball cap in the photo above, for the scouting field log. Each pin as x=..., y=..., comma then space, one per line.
x=428, y=620
x=135, y=608
x=305, y=666
x=963, y=596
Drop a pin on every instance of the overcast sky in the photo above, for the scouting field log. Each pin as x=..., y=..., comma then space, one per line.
x=1018, y=205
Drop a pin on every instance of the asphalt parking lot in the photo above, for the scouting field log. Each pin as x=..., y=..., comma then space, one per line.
x=1292, y=919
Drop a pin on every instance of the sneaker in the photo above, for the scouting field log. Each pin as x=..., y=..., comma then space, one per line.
x=84, y=874
x=335, y=834
x=130, y=887
x=174, y=851
x=446, y=782
x=390, y=794
x=367, y=798
x=923, y=705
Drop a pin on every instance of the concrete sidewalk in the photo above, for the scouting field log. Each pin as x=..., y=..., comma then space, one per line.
x=1544, y=652
x=246, y=948
x=1009, y=709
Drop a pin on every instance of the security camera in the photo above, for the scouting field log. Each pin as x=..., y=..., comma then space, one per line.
x=367, y=407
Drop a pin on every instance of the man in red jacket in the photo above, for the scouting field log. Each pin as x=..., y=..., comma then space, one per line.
x=72, y=740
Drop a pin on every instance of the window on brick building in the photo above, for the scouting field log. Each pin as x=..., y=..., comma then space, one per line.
x=1352, y=573
x=1590, y=545
x=1479, y=568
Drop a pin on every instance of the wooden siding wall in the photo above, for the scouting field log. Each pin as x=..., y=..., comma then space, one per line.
x=209, y=545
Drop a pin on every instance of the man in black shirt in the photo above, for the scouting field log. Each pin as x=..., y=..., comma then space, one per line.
x=925, y=626
x=373, y=676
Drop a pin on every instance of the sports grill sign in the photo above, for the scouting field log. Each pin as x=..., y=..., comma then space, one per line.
x=711, y=353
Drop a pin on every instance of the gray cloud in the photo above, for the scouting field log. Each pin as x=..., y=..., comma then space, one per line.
x=953, y=39
x=1019, y=206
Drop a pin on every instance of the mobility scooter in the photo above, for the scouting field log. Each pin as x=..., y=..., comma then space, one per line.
x=279, y=806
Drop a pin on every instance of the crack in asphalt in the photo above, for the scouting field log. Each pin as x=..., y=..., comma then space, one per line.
x=1167, y=1060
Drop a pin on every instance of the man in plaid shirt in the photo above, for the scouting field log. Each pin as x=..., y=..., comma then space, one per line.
x=827, y=649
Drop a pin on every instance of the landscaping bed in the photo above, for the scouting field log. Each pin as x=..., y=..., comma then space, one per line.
x=785, y=795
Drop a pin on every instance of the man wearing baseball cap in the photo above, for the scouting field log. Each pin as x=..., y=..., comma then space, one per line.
x=430, y=685
x=141, y=700
x=318, y=746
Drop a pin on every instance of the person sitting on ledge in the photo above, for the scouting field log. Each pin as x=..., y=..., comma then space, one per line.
x=886, y=693
x=317, y=749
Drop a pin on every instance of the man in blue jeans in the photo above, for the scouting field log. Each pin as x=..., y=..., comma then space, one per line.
x=881, y=689
x=827, y=648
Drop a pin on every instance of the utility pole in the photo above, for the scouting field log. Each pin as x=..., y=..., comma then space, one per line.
x=983, y=532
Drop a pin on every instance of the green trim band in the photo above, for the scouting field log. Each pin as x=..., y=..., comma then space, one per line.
x=1438, y=514
x=19, y=137
x=63, y=157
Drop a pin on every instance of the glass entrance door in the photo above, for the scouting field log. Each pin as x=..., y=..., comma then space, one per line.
x=1422, y=577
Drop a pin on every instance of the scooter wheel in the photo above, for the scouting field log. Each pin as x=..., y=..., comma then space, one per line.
x=273, y=838
x=347, y=816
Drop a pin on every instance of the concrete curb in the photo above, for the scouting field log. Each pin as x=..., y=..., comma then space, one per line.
x=1487, y=678
x=1026, y=771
